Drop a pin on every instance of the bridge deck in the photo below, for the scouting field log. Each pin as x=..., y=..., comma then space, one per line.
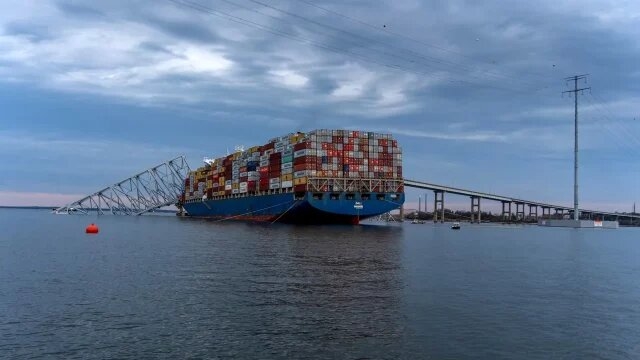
x=482, y=195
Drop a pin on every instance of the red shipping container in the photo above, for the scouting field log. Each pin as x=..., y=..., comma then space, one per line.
x=304, y=160
x=301, y=167
x=301, y=187
x=302, y=146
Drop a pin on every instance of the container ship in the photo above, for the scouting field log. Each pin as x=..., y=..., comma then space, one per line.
x=319, y=177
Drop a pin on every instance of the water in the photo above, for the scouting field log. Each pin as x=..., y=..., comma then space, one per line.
x=165, y=287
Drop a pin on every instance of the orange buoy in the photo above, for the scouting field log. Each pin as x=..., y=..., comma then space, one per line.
x=92, y=229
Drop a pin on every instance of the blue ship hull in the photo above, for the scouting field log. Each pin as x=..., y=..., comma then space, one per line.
x=311, y=208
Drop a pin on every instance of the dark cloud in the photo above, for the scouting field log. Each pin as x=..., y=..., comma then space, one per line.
x=73, y=8
x=34, y=32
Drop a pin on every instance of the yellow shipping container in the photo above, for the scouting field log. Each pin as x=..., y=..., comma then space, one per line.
x=300, y=181
x=287, y=177
x=209, y=184
x=221, y=181
x=235, y=185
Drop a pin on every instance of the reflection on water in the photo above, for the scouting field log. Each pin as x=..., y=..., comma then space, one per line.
x=166, y=287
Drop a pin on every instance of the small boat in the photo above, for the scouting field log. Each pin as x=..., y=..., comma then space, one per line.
x=455, y=226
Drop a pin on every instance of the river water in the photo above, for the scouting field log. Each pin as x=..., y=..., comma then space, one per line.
x=166, y=287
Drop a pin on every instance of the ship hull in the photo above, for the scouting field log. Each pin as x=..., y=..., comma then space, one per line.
x=310, y=208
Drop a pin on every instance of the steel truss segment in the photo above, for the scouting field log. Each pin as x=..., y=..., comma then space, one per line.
x=354, y=185
x=159, y=186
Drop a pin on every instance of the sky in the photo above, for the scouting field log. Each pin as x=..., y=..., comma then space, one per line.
x=93, y=92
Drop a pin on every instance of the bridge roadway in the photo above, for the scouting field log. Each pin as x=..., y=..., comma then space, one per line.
x=475, y=196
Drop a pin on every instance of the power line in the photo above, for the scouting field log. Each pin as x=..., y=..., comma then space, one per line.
x=237, y=19
x=629, y=134
x=372, y=40
x=386, y=30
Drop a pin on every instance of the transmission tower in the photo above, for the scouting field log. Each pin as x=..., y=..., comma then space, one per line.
x=575, y=78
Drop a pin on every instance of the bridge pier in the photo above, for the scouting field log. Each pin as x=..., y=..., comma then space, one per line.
x=533, y=211
x=519, y=213
x=546, y=212
x=506, y=210
x=475, y=209
x=438, y=205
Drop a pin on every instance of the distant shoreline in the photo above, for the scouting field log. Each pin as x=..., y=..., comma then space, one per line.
x=28, y=207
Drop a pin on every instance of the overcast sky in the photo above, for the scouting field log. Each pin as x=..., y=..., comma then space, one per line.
x=93, y=91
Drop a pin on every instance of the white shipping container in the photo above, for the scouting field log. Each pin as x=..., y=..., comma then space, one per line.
x=264, y=162
x=243, y=184
x=235, y=191
x=227, y=187
x=287, y=171
x=228, y=182
x=243, y=174
x=287, y=184
x=300, y=153
x=274, y=180
x=287, y=165
x=274, y=186
x=299, y=174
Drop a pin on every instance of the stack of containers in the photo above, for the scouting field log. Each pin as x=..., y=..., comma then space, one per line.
x=289, y=161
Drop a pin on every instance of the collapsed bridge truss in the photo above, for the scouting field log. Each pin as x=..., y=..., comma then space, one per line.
x=154, y=188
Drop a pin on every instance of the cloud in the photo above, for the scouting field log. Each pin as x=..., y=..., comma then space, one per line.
x=289, y=79
x=69, y=164
x=452, y=73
